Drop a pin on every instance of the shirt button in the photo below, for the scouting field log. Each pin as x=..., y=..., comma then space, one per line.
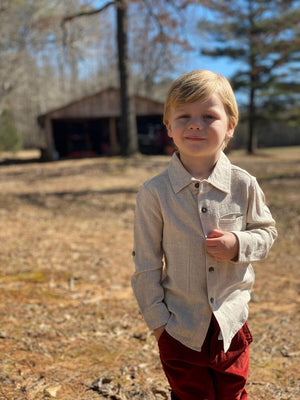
x=211, y=269
x=197, y=185
x=212, y=299
x=204, y=209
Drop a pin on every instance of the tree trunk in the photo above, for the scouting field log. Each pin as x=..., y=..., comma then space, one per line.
x=128, y=130
x=252, y=141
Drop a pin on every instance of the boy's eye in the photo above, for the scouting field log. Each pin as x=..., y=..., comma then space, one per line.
x=208, y=117
x=183, y=116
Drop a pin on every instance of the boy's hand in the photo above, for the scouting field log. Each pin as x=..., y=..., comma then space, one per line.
x=158, y=331
x=221, y=245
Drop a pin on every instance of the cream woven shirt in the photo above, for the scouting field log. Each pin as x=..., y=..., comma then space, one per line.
x=176, y=282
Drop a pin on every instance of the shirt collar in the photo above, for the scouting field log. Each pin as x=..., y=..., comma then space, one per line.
x=220, y=177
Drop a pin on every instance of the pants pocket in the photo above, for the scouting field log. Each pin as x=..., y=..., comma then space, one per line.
x=247, y=333
x=241, y=340
x=161, y=338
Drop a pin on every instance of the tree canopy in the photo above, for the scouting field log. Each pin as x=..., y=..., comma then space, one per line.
x=264, y=36
x=55, y=51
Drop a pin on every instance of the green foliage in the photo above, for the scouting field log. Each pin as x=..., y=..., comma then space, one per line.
x=264, y=37
x=10, y=139
x=270, y=134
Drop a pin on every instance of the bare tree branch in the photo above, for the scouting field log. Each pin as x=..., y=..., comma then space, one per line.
x=88, y=12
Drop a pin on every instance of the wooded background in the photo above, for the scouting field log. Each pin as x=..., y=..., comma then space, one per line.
x=52, y=52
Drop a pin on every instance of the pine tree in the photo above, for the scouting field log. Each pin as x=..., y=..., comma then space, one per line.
x=264, y=36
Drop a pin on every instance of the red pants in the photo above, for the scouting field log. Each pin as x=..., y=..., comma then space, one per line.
x=210, y=374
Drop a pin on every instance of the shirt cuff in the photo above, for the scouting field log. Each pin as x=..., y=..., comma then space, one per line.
x=157, y=316
x=249, y=249
x=240, y=256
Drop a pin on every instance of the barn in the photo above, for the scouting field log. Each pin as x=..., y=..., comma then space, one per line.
x=90, y=127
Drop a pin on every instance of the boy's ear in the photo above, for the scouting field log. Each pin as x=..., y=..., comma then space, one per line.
x=169, y=130
x=230, y=131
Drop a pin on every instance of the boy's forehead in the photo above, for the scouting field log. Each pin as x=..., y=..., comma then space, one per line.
x=206, y=102
x=192, y=95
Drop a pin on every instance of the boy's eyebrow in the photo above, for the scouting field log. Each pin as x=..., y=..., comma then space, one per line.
x=205, y=109
x=181, y=111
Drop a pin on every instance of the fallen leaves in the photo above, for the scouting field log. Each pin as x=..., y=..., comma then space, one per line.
x=70, y=327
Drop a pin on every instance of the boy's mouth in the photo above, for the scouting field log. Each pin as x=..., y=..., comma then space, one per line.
x=195, y=138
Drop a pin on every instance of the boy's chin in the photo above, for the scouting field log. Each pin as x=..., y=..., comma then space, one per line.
x=197, y=153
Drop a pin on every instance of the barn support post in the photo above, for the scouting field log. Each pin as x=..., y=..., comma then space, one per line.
x=47, y=148
x=114, y=148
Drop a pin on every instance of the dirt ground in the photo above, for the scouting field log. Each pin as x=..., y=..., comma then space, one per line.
x=69, y=325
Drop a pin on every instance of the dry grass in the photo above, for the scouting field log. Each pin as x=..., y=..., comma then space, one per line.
x=68, y=315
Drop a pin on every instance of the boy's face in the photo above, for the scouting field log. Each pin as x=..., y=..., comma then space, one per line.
x=199, y=129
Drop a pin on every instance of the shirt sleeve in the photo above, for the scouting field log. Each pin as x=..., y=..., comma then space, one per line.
x=260, y=234
x=148, y=257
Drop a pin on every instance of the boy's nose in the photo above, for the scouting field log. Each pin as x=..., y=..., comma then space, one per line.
x=196, y=123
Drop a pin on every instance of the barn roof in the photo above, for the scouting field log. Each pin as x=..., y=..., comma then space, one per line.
x=103, y=104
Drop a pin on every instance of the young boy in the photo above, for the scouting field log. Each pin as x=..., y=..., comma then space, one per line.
x=198, y=225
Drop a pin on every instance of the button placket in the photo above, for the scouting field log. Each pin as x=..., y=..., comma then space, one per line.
x=210, y=284
x=204, y=213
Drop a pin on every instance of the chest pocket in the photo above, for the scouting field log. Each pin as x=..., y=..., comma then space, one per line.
x=231, y=222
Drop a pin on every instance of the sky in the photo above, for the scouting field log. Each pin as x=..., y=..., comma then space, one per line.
x=195, y=60
x=221, y=65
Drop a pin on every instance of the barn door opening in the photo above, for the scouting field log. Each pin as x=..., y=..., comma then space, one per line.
x=81, y=138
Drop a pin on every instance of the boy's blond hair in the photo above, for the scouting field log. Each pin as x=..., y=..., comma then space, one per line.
x=200, y=85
